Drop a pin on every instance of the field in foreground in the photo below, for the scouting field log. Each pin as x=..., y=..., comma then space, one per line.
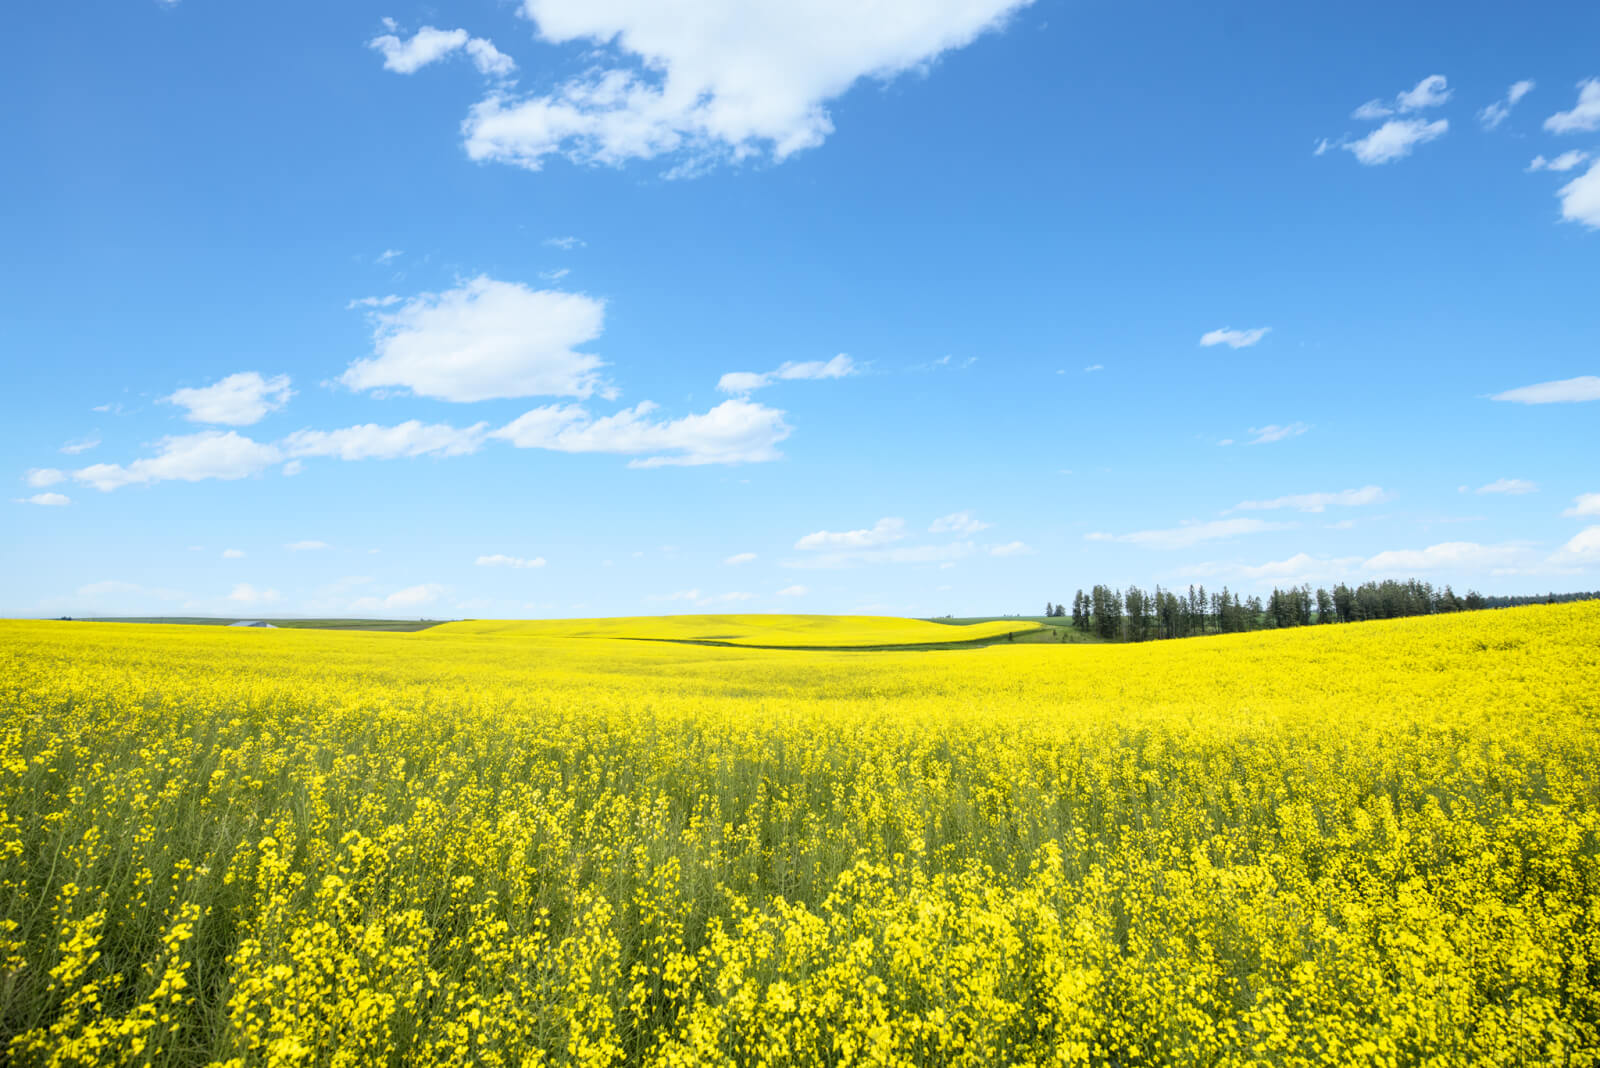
x=1369, y=844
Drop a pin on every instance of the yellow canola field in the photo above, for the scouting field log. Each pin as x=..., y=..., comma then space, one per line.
x=796, y=632
x=1370, y=844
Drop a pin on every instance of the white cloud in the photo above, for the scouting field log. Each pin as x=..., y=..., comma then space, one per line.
x=489, y=60
x=245, y=593
x=233, y=554
x=1266, y=435
x=1093, y=367
x=1511, y=486
x=238, y=400
x=501, y=560
x=957, y=523
x=1562, y=163
x=187, y=458
x=943, y=555
x=704, y=600
x=1317, y=502
x=556, y=275
x=1300, y=565
x=713, y=80
x=735, y=431
x=739, y=558
x=373, y=442
x=410, y=597
x=1496, y=113
x=1191, y=533
x=40, y=477
x=1584, y=116
x=49, y=500
x=73, y=448
x=485, y=339
x=1564, y=391
x=1234, y=339
x=565, y=244
x=841, y=366
x=1585, y=543
x=726, y=598
x=1580, y=198
x=429, y=45
x=307, y=546
x=374, y=302
x=1584, y=504
x=426, y=46
x=389, y=254
x=1225, y=442
x=1011, y=548
x=1460, y=554
x=793, y=591
x=1430, y=92
x=1395, y=139
x=881, y=533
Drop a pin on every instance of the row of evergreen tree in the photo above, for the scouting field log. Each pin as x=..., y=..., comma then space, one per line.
x=1138, y=615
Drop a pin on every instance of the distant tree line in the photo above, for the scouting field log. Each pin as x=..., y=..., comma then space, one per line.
x=1138, y=615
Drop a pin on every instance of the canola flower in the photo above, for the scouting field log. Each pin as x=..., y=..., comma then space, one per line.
x=1374, y=844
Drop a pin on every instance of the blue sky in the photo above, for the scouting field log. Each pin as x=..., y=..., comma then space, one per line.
x=568, y=307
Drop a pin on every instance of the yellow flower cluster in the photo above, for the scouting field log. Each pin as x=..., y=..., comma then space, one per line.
x=1375, y=844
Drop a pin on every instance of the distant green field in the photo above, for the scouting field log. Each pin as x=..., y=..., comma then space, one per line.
x=1051, y=628
x=290, y=624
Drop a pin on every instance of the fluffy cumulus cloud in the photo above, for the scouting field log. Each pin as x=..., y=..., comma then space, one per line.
x=186, y=458
x=429, y=45
x=373, y=442
x=1396, y=139
x=793, y=591
x=1585, y=544
x=735, y=431
x=1514, y=487
x=1580, y=198
x=882, y=532
x=1584, y=116
x=739, y=558
x=1562, y=391
x=1584, y=504
x=1191, y=533
x=1234, y=339
x=502, y=560
x=713, y=80
x=1493, y=115
x=238, y=400
x=40, y=477
x=482, y=340
x=1317, y=502
x=841, y=366
x=957, y=523
x=48, y=500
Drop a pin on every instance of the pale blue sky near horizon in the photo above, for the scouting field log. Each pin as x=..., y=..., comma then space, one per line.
x=570, y=307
